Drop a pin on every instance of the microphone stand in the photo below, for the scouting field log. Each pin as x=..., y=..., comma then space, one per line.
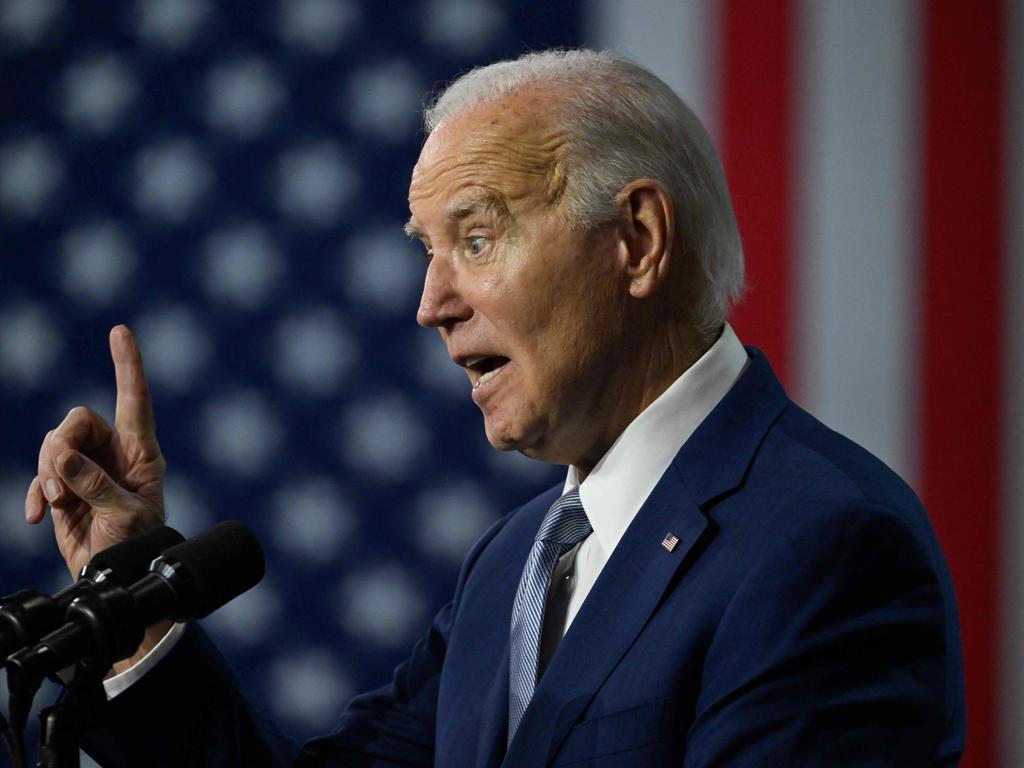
x=15, y=743
x=21, y=691
x=63, y=724
x=59, y=737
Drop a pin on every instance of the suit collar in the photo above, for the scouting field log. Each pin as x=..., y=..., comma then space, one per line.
x=714, y=460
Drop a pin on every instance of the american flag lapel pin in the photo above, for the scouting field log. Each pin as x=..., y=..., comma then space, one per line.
x=670, y=541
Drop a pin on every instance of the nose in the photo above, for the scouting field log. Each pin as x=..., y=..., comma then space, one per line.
x=441, y=302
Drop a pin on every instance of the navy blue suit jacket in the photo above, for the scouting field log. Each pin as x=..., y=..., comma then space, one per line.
x=805, y=618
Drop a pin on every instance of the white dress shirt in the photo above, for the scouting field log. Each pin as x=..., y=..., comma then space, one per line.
x=616, y=487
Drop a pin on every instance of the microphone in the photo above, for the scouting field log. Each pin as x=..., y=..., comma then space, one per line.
x=27, y=615
x=188, y=581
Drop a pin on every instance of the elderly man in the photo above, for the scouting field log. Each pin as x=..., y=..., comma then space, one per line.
x=721, y=581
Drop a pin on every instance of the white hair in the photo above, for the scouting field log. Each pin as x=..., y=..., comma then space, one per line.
x=621, y=124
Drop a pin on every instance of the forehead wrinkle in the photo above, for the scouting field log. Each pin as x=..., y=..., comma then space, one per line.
x=507, y=182
x=529, y=154
x=508, y=158
x=489, y=202
x=477, y=168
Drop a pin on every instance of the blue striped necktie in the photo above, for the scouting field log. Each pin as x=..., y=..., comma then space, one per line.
x=563, y=527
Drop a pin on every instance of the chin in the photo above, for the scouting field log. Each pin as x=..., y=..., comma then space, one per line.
x=513, y=437
x=503, y=442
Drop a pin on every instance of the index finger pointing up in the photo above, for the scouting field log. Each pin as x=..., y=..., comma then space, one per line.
x=134, y=409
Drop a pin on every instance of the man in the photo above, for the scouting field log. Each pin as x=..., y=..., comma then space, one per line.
x=721, y=580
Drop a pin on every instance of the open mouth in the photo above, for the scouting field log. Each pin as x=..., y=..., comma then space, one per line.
x=486, y=367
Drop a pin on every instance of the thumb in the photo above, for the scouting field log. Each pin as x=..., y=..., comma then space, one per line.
x=90, y=483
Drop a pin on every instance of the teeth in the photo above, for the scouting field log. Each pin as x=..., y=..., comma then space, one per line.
x=486, y=376
x=471, y=361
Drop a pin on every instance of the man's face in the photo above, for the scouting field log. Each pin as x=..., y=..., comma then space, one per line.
x=529, y=307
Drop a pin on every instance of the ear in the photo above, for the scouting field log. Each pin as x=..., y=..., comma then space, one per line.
x=648, y=232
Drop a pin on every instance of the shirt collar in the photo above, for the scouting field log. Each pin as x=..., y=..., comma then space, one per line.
x=621, y=481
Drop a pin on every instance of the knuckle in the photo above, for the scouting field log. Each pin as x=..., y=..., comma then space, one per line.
x=93, y=485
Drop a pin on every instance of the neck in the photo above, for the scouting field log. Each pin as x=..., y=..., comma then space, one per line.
x=659, y=359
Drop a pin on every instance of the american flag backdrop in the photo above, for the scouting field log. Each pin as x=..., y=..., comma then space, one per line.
x=229, y=179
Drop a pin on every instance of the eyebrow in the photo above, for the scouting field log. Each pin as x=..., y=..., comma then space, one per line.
x=487, y=202
x=461, y=209
x=411, y=231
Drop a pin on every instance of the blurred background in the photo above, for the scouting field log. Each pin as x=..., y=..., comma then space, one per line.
x=229, y=178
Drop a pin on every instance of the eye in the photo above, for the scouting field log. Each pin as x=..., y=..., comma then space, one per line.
x=477, y=245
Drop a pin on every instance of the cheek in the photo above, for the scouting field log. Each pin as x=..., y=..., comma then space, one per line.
x=555, y=301
x=563, y=361
x=536, y=292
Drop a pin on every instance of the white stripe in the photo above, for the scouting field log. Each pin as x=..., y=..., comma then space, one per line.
x=675, y=39
x=857, y=228
x=1011, y=671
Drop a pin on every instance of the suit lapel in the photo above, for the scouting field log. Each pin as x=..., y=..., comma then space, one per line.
x=631, y=585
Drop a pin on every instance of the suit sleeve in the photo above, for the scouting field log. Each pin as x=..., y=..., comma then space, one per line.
x=833, y=651
x=188, y=711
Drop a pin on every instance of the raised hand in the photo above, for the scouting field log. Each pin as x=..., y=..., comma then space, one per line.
x=102, y=484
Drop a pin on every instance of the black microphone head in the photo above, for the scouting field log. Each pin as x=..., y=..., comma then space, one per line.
x=212, y=568
x=128, y=561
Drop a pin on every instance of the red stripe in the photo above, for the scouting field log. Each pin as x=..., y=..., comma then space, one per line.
x=756, y=148
x=961, y=330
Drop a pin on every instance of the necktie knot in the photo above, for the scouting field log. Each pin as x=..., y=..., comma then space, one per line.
x=566, y=521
